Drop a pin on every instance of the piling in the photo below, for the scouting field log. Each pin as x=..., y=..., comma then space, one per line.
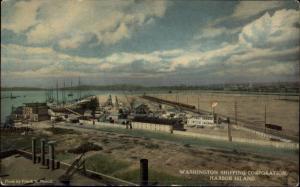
x=57, y=164
x=33, y=147
x=51, y=155
x=43, y=151
x=47, y=163
x=144, y=172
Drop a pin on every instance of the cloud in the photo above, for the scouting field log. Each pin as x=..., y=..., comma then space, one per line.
x=37, y=60
x=136, y=62
x=242, y=12
x=21, y=17
x=254, y=54
x=46, y=62
x=13, y=49
x=276, y=30
x=76, y=22
x=246, y=9
x=263, y=71
x=75, y=41
x=169, y=53
x=265, y=47
x=268, y=46
x=212, y=32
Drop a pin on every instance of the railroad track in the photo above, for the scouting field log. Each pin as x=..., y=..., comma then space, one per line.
x=243, y=122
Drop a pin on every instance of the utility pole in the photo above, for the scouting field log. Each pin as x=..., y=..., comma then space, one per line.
x=265, y=117
x=198, y=103
x=229, y=130
x=212, y=108
x=265, y=113
x=235, y=111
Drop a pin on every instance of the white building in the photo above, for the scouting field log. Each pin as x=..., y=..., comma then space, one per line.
x=200, y=121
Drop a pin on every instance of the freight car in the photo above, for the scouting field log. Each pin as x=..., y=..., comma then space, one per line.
x=169, y=102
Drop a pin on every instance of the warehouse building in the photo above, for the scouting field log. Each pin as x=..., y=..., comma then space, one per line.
x=36, y=111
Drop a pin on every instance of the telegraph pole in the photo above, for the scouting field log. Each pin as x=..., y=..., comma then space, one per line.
x=265, y=116
x=235, y=111
x=198, y=103
x=265, y=113
x=229, y=130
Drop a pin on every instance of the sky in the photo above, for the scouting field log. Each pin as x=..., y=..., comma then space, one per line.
x=148, y=43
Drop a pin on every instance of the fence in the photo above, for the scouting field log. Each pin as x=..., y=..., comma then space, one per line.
x=288, y=145
x=97, y=124
x=135, y=125
x=169, y=129
x=260, y=133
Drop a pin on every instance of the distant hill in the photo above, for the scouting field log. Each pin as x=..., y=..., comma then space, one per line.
x=290, y=87
x=21, y=89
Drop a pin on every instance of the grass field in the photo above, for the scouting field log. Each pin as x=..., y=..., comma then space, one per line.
x=124, y=170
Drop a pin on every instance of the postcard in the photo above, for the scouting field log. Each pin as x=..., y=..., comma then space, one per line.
x=150, y=93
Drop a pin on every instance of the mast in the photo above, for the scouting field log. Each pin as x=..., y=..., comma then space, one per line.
x=52, y=95
x=57, y=91
x=62, y=94
x=79, y=88
x=64, y=100
x=71, y=88
x=47, y=95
